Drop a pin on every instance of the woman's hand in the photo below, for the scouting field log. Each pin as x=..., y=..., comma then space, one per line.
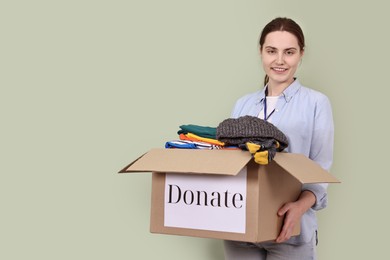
x=293, y=211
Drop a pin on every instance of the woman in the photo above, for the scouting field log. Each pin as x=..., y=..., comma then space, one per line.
x=305, y=117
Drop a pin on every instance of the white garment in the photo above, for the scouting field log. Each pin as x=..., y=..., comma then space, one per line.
x=271, y=105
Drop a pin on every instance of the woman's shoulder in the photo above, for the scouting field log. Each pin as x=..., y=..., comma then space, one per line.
x=245, y=104
x=252, y=96
x=313, y=94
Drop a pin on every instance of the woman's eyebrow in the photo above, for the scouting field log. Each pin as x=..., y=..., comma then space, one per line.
x=274, y=48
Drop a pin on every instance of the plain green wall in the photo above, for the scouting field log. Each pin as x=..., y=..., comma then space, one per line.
x=87, y=86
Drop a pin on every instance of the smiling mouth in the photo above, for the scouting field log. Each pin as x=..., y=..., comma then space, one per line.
x=279, y=69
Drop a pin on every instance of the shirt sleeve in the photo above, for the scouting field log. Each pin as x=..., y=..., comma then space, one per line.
x=321, y=150
x=236, y=109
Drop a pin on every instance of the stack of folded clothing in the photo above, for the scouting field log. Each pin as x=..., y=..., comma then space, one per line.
x=261, y=138
x=196, y=137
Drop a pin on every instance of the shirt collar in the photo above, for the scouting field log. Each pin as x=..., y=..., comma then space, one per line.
x=288, y=93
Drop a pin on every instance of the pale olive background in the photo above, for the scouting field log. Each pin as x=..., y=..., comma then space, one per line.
x=88, y=86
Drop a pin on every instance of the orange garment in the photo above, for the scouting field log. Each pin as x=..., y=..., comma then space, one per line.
x=194, y=137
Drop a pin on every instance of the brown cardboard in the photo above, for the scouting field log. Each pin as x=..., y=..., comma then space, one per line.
x=268, y=187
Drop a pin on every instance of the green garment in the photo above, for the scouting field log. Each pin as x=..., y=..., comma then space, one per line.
x=202, y=131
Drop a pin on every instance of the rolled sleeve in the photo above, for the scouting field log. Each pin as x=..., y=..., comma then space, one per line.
x=320, y=191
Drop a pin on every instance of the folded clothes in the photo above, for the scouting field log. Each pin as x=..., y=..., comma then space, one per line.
x=187, y=144
x=236, y=131
x=194, y=137
x=261, y=138
x=182, y=145
x=202, y=131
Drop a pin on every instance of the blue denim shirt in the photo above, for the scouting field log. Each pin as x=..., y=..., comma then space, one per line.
x=305, y=117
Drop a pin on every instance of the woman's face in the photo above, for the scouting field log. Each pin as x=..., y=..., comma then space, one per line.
x=280, y=55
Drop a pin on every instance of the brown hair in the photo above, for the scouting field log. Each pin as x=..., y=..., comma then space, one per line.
x=282, y=24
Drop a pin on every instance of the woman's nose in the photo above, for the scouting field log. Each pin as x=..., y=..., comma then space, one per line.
x=280, y=59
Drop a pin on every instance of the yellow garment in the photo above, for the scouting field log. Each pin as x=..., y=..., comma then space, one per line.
x=261, y=157
x=252, y=147
x=204, y=139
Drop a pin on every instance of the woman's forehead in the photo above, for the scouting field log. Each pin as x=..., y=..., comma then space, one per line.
x=281, y=40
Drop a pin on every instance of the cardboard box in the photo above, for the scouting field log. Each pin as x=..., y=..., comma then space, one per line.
x=223, y=194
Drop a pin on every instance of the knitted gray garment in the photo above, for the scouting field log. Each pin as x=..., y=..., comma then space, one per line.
x=235, y=131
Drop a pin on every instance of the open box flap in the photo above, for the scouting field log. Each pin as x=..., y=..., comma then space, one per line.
x=199, y=161
x=303, y=169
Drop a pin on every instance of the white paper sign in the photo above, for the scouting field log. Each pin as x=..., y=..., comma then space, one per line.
x=206, y=202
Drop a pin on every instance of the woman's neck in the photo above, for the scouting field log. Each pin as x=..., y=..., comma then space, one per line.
x=276, y=89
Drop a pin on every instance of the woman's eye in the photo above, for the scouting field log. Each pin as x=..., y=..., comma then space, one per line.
x=290, y=52
x=271, y=51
